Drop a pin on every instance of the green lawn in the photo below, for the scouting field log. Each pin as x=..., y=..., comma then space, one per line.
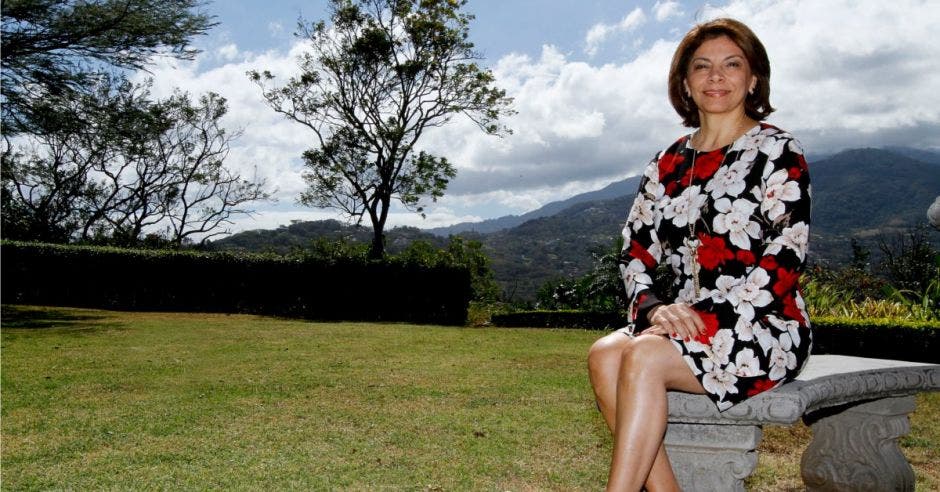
x=107, y=400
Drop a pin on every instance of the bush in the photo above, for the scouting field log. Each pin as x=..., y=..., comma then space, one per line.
x=329, y=286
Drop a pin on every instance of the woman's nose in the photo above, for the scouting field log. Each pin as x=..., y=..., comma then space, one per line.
x=715, y=73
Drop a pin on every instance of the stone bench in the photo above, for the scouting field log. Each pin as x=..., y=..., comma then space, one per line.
x=856, y=407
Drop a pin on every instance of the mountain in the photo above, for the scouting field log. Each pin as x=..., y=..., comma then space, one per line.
x=868, y=194
x=613, y=190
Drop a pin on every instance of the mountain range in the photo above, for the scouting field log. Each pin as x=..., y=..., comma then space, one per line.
x=871, y=195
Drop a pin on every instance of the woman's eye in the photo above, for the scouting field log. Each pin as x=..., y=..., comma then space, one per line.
x=734, y=64
x=699, y=66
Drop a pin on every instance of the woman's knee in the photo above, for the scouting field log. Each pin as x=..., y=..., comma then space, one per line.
x=646, y=352
x=606, y=352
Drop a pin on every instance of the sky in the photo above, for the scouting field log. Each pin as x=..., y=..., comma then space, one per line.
x=588, y=79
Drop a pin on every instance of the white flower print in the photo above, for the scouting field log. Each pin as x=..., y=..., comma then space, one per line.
x=773, y=147
x=764, y=337
x=642, y=213
x=790, y=327
x=735, y=220
x=687, y=293
x=743, y=329
x=778, y=189
x=717, y=380
x=794, y=237
x=728, y=180
x=685, y=207
x=781, y=358
x=721, y=345
x=747, y=364
x=634, y=273
x=795, y=146
x=723, y=287
x=748, y=294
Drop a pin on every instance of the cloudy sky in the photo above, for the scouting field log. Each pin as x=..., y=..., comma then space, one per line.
x=589, y=82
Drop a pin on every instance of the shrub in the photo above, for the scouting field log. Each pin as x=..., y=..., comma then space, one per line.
x=329, y=286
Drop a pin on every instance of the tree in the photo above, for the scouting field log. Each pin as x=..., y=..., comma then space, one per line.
x=52, y=50
x=137, y=165
x=373, y=82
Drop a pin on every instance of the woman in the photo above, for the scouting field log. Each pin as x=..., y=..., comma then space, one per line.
x=726, y=208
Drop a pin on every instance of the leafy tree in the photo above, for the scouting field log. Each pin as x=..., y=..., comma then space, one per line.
x=52, y=50
x=137, y=165
x=375, y=79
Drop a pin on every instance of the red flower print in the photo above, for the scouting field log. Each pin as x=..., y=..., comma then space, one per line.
x=668, y=163
x=760, y=386
x=802, y=162
x=785, y=281
x=790, y=310
x=671, y=188
x=794, y=173
x=745, y=257
x=707, y=164
x=639, y=252
x=712, y=251
x=711, y=327
x=768, y=263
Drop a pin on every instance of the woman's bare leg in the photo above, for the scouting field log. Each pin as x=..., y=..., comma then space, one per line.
x=612, y=368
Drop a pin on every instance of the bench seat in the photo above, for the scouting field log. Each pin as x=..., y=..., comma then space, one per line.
x=856, y=407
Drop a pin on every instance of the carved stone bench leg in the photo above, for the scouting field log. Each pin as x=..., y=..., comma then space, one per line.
x=712, y=457
x=856, y=448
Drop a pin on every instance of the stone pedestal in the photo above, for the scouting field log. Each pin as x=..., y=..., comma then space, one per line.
x=856, y=448
x=857, y=408
x=710, y=457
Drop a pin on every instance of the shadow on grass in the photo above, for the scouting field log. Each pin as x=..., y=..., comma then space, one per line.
x=39, y=317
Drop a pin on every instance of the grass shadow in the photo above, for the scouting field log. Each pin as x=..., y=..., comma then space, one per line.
x=40, y=317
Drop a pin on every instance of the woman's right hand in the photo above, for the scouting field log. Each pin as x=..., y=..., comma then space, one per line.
x=680, y=320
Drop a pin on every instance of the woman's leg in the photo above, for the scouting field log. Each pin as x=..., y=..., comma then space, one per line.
x=614, y=362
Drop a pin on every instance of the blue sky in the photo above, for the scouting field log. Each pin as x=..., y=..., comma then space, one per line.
x=588, y=78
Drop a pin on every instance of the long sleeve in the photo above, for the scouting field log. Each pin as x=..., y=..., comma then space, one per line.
x=642, y=250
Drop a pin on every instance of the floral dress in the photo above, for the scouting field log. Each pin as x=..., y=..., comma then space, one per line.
x=749, y=205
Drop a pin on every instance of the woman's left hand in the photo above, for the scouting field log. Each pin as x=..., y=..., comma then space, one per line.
x=656, y=330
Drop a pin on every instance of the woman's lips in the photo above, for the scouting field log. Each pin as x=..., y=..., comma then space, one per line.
x=716, y=93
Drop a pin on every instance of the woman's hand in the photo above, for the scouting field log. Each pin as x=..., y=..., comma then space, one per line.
x=679, y=320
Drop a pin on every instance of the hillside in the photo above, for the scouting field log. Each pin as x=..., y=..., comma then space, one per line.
x=869, y=194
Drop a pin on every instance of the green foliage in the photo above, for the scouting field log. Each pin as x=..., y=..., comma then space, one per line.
x=458, y=253
x=591, y=320
x=53, y=51
x=375, y=79
x=332, y=285
x=132, y=166
x=917, y=341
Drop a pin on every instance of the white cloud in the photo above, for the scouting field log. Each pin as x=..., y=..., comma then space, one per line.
x=599, y=32
x=228, y=52
x=868, y=79
x=663, y=11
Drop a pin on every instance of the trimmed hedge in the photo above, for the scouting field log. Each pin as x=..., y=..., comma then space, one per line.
x=149, y=280
x=880, y=338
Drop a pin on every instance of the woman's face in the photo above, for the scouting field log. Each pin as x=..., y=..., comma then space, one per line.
x=719, y=77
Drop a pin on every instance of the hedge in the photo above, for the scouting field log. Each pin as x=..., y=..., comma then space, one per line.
x=150, y=280
x=880, y=338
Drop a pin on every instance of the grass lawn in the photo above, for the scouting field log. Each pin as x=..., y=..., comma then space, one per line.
x=108, y=400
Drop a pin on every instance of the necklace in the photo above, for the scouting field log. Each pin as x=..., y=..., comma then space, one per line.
x=693, y=247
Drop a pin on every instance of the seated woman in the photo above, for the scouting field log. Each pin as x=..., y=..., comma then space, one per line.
x=727, y=208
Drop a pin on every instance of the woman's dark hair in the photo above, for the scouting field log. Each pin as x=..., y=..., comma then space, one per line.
x=756, y=104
